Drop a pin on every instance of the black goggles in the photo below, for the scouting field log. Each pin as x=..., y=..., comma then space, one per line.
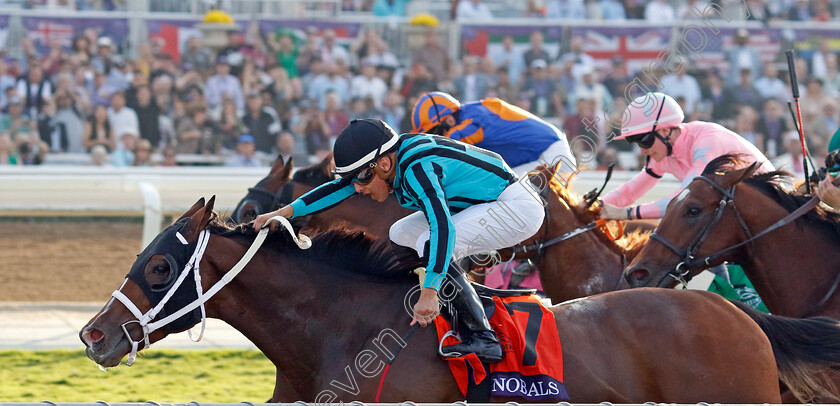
x=365, y=175
x=645, y=140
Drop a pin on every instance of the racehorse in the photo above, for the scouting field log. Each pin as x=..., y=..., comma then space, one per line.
x=317, y=313
x=795, y=269
x=279, y=188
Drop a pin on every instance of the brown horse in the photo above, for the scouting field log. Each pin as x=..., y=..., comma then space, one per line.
x=793, y=268
x=317, y=314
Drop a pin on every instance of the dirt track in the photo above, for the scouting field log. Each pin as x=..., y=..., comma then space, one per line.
x=80, y=261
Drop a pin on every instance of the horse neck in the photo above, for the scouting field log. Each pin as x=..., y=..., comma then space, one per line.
x=308, y=319
x=581, y=266
x=789, y=283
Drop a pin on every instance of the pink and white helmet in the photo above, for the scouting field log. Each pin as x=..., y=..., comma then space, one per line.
x=649, y=112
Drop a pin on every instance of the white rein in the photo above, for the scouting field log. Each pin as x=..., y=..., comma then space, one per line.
x=145, y=320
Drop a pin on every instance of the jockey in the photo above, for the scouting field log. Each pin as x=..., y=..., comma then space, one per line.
x=654, y=122
x=524, y=140
x=828, y=193
x=461, y=192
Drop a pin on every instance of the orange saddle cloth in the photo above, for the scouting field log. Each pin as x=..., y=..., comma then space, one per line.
x=532, y=360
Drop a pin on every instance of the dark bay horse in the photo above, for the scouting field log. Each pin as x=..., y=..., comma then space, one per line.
x=327, y=317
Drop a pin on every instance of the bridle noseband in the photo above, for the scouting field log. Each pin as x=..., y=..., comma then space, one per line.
x=280, y=197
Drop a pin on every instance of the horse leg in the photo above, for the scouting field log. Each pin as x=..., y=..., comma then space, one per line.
x=283, y=390
x=664, y=346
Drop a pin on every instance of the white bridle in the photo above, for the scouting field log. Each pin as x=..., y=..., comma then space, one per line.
x=145, y=320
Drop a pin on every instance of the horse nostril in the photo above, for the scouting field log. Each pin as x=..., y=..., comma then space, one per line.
x=93, y=337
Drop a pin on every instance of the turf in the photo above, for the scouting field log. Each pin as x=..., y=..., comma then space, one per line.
x=220, y=376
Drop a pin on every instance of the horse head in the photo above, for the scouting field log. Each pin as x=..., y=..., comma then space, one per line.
x=700, y=221
x=268, y=194
x=123, y=325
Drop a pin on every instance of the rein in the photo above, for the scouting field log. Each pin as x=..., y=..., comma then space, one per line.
x=145, y=320
x=728, y=199
x=538, y=246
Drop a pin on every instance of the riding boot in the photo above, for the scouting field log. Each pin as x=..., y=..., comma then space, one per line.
x=481, y=339
x=520, y=272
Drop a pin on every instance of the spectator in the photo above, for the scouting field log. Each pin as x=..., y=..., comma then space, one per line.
x=142, y=153
x=582, y=124
x=580, y=61
x=97, y=130
x=308, y=53
x=770, y=129
x=30, y=149
x=533, y=10
x=605, y=157
x=381, y=56
x=435, y=57
x=367, y=84
x=123, y=155
x=471, y=85
x=392, y=109
x=503, y=89
x=592, y=89
x=617, y=79
x=81, y=49
x=162, y=93
x=567, y=9
x=197, y=132
x=509, y=58
x=812, y=102
x=98, y=156
x=745, y=124
x=610, y=10
x=170, y=154
x=55, y=57
x=420, y=80
x=102, y=91
x=69, y=125
x=330, y=81
x=198, y=57
x=287, y=55
x=659, y=11
x=314, y=130
x=389, y=8
x=35, y=89
x=286, y=146
x=744, y=94
x=262, y=123
x=16, y=121
x=123, y=119
x=536, y=51
x=542, y=91
x=8, y=154
x=221, y=84
x=822, y=11
x=800, y=11
x=104, y=53
x=335, y=118
x=7, y=81
x=714, y=94
x=229, y=125
x=742, y=56
x=332, y=52
x=680, y=84
x=818, y=60
x=769, y=85
x=824, y=125
x=791, y=161
x=472, y=10
x=832, y=78
x=283, y=91
x=245, y=153
x=692, y=10
x=148, y=115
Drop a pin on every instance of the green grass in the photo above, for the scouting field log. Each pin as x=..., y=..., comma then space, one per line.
x=170, y=376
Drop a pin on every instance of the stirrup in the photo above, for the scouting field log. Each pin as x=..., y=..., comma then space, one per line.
x=450, y=333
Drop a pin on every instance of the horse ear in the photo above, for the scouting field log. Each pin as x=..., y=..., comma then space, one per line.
x=199, y=204
x=327, y=165
x=281, y=171
x=732, y=178
x=199, y=220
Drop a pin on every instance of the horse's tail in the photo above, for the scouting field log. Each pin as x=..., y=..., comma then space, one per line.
x=805, y=349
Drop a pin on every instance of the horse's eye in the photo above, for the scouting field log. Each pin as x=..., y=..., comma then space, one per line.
x=694, y=211
x=160, y=269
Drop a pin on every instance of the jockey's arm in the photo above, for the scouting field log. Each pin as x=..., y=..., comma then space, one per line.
x=441, y=244
x=321, y=198
x=619, y=200
x=467, y=131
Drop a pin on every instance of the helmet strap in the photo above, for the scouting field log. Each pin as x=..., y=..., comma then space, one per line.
x=666, y=140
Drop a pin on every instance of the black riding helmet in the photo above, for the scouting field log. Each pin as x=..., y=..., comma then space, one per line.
x=360, y=144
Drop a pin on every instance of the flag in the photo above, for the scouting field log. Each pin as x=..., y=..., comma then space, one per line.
x=713, y=55
x=638, y=46
x=174, y=33
x=44, y=29
x=4, y=32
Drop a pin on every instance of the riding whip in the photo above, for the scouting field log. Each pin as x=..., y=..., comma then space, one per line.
x=794, y=87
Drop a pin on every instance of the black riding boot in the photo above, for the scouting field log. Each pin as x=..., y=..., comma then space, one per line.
x=481, y=340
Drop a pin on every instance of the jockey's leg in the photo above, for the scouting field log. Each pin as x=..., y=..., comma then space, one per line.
x=558, y=152
x=482, y=340
x=407, y=230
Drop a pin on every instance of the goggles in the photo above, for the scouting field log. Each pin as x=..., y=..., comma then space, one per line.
x=365, y=176
x=644, y=141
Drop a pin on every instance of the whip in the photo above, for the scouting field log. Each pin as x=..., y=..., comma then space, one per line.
x=794, y=87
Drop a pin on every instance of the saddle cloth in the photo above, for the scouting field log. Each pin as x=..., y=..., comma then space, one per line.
x=532, y=359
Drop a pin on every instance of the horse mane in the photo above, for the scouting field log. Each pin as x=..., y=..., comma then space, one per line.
x=350, y=250
x=629, y=244
x=769, y=184
x=315, y=175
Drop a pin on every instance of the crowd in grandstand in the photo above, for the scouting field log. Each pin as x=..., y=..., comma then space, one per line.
x=266, y=94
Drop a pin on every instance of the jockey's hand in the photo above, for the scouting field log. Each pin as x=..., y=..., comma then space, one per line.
x=828, y=192
x=259, y=222
x=426, y=308
x=611, y=212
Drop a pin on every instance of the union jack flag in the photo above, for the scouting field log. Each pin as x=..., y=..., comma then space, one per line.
x=713, y=55
x=636, y=45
